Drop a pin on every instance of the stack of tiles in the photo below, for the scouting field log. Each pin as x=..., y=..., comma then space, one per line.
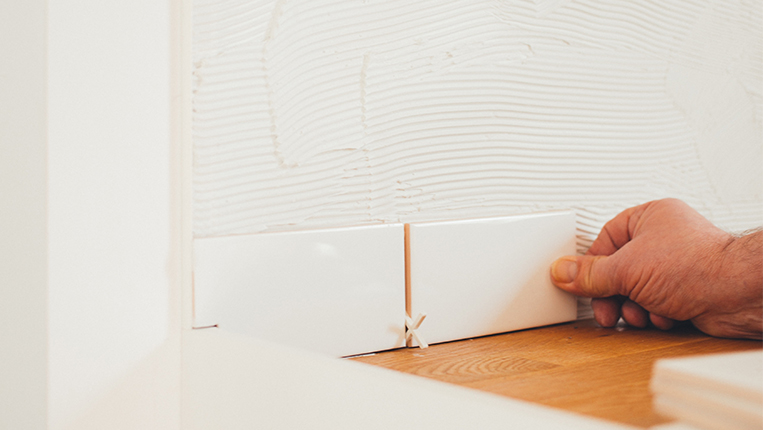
x=720, y=391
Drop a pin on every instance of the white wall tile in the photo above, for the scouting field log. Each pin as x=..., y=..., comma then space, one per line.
x=484, y=276
x=338, y=291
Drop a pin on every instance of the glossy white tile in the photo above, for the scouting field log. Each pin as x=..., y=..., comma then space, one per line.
x=338, y=291
x=485, y=276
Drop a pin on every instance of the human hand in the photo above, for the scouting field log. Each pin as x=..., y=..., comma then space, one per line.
x=663, y=262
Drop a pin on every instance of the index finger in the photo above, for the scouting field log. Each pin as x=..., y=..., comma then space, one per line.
x=616, y=232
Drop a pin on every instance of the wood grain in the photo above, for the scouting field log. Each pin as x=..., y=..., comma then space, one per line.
x=577, y=366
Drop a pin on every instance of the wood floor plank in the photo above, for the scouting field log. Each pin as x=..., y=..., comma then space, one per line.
x=578, y=366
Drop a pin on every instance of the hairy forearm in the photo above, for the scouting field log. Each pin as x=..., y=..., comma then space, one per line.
x=743, y=262
x=740, y=287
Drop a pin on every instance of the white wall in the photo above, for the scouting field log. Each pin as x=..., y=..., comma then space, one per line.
x=114, y=350
x=315, y=114
x=89, y=231
x=23, y=217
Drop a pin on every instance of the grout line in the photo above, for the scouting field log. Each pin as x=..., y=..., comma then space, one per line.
x=407, y=241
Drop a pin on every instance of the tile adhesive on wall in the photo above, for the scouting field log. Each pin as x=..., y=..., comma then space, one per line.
x=336, y=113
x=323, y=114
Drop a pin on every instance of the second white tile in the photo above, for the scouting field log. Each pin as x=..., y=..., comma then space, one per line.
x=485, y=276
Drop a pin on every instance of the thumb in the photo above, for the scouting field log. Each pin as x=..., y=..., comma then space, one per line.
x=586, y=275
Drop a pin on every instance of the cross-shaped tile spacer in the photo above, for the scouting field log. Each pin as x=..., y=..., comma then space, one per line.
x=410, y=330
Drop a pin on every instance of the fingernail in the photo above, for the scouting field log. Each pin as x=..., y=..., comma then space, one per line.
x=564, y=270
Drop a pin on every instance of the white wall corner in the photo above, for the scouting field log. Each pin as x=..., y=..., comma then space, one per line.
x=23, y=216
x=114, y=215
x=90, y=215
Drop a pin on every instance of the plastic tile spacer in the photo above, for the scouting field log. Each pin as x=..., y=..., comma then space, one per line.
x=410, y=330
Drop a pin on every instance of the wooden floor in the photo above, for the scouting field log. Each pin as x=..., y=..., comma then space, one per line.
x=577, y=366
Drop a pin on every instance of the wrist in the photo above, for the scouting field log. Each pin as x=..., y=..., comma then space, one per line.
x=738, y=288
x=742, y=263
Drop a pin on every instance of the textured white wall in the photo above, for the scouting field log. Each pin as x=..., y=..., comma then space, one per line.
x=314, y=114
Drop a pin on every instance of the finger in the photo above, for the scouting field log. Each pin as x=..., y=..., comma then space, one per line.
x=661, y=323
x=587, y=276
x=606, y=311
x=634, y=314
x=616, y=233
